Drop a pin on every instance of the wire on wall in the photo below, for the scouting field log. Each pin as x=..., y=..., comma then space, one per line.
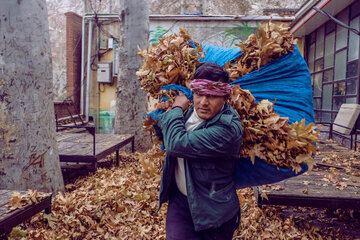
x=357, y=32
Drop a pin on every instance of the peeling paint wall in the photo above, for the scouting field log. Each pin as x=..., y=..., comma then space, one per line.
x=28, y=149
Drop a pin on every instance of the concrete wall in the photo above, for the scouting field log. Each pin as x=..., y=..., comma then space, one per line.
x=210, y=29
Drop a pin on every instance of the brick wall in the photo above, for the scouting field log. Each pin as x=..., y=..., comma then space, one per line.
x=73, y=57
x=64, y=109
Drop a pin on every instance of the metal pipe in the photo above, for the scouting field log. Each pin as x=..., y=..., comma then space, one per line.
x=82, y=67
x=88, y=73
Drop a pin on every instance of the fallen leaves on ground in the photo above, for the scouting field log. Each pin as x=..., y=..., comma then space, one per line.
x=19, y=200
x=281, y=223
x=120, y=202
x=116, y=203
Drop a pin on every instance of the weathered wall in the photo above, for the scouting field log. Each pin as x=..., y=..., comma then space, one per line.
x=220, y=7
x=131, y=100
x=210, y=31
x=28, y=149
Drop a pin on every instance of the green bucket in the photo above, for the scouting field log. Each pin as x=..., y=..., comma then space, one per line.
x=106, y=121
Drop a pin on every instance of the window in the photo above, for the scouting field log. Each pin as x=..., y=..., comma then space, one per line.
x=352, y=69
x=327, y=97
x=339, y=88
x=319, y=43
x=340, y=65
x=337, y=102
x=329, y=50
x=311, y=57
x=326, y=117
x=328, y=75
x=341, y=33
x=317, y=84
x=319, y=64
x=351, y=86
x=333, y=60
x=354, y=40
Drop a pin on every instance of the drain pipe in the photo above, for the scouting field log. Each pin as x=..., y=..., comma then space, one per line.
x=88, y=72
x=82, y=67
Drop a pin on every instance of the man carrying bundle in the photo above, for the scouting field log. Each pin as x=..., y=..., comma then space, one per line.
x=202, y=143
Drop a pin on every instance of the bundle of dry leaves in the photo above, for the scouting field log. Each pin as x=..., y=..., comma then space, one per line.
x=270, y=137
x=173, y=61
x=270, y=42
x=266, y=134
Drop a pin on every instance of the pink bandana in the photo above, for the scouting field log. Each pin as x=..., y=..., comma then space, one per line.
x=208, y=87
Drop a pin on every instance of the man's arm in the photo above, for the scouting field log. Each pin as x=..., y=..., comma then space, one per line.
x=211, y=142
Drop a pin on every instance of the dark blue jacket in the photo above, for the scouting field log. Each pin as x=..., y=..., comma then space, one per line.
x=209, y=154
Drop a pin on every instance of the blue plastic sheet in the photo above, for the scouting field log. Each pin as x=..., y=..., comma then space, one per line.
x=286, y=79
x=219, y=55
x=248, y=174
x=178, y=88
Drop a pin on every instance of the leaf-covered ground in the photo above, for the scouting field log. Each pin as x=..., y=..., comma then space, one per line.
x=120, y=202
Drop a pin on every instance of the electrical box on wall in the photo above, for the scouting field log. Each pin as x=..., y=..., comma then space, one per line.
x=116, y=57
x=103, y=42
x=104, y=72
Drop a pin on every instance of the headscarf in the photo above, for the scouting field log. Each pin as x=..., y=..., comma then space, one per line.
x=208, y=87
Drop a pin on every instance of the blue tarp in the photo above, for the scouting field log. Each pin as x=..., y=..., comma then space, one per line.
x=286, y=79
x=219, y=55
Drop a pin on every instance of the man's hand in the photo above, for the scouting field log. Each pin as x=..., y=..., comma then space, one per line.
x=163, y=105
x=181, y=101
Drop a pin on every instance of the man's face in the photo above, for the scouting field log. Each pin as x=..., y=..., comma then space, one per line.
x=208, y=106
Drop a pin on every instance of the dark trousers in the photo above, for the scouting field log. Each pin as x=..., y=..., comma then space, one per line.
x=179, y=224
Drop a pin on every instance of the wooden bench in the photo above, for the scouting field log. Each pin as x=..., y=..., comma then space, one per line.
x=88, y=148
x=8, y=220
x=345, y=122
x=319, y=188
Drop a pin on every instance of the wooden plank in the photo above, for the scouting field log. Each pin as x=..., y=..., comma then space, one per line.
x=83, y=150
x=5, y=195
x=8, y=220
x=104, y=153
x=77, y=158
x=315, y=189
x=321, y=187
x=75, y=147
x=69, y=137
x=308, y=201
